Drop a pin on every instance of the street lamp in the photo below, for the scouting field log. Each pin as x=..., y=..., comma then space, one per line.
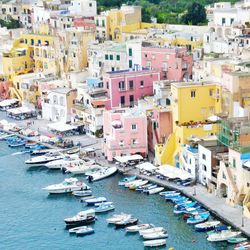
x=242, y=216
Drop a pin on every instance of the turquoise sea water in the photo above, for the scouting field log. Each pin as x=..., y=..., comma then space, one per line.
x=32, y=219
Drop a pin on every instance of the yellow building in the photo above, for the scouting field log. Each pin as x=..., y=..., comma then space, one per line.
x=192, y=105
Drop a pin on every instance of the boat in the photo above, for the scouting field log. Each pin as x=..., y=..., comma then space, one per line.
x=149, y=187
x=82, y=218
x=145, y=187
x=74, y=229
x=66, y=161
x=83, y=199
x=104, y=207
x=171, y=196
x=155, y=190
x=85, y=231
x=136, y=184
x=198, y=218
x=137, y=228
x=155, y=243
x=219, y=229
x=67, y=186
x=42, y=159
x=92, y=202
x=152, y=230
x=243, y=246
x=236, y=240
x=82, y=168
x=126, y=222
x=101, y=174
x=15, y=144
x=42, y=151
x=31, y=144
x=118, y=217
x=206, y=226
x=167, y=193
x=223, y=235
x=82, y=193
x=127, y=184
x=73, y=151
x=155, y=236
x=126, y=179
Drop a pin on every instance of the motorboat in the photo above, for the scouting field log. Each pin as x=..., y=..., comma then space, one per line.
x=126, y=180
x=82, y=167
x=155, y=236
x=198, y=218
x=236, y=240
x=83, y=199
x=186, y=208
x=42, y=159
x=149, y=187
x=127, y=184
x=67, y=186
x=155, y=243
x=145, y=187
x=16, y=144
x=171, y=196
x=219, y=228
x=243, y=246
x=167, y=193
x=66, y=161
x=42, y=151
x=206, y=226
x=118, y=217
x=126, y=222
x=92, y=202
x=155, y=190
x=101, y=174
x=82, y=218
x=82, y=193
x=104, y=207
x=85, y=231
x=133, y=186
x=73, y=151
x=152, y=230
x=137, y=228
x=74, y=229
x=223, y=235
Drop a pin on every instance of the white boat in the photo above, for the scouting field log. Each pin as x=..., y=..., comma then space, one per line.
x=67, y=186
x=127, y=184
x=154, y=243
x=74, y=229
x=155, y=236
x=42, y=159
x=82, y=168
x=136, y=228
x=101, y=174
x=95, y=200
x=71, y=160
x=152, y=230
x=82, y=193
x=155, y=190
x=104, y=207
x=82, y=218
x=118, y=217
x=137, y=184
x=169, y=193
x=206, y=226
x=85, y=231
x=222, y=236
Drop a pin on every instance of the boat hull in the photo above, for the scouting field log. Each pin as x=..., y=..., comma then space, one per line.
x=86, y=221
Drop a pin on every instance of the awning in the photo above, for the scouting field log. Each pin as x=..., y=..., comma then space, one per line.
x=61, y=127
x=173, y=172
x=97, y=103
x=147, y=166
x=127, y=158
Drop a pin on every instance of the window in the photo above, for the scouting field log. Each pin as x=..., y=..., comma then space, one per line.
x=131, y=84
x=90, y=4
x=103, y=23
x=168, y=101
x=204, y=167
x=118, y=57
x=131, y=100
x=211, y=92
x=130, y=64
x=121, y=85
x=134, y=126
x=146, y=55
x=193, y=93
x=130, y=52
x=231, y=20
x=107, y=84
x=234, y=163
x=224, y=176
x=97, y=22
x=121, y=143
x=100, y=64
x=106, y=57
x=223, y=21
x=111, y=57
x=112, y=69
x=134, y=141
x=141, y=84
x=203, y=156
x=248, y=184
x=122, y=101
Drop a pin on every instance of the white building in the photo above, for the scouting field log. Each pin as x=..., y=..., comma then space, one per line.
x=85, y=8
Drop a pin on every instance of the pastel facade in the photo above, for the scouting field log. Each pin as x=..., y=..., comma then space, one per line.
x=85, y=8
x=125, y=133
x=124, y=88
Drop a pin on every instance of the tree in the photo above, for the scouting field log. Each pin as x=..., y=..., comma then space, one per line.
x=196, y=14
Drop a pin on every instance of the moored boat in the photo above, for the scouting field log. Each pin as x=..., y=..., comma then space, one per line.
x=101, y=174
x=126, y=222
x=243, y=246
x=236, y=240
x=126, y=180
x=167, y=193
x=155, y=236
x=155, y=190
x=206, y=226
x=104, y=207
x=223, y=235
x=85, y=231
x=82, y=193
x=74, y=229
x=52, y=156
x=64, y=162
x=137, y=228
x=152, y=230
x=92, y=202
x=118, y=217
x=155, y=243
x=198, y=218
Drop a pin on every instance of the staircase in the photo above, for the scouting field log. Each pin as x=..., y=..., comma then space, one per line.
x=15, y=93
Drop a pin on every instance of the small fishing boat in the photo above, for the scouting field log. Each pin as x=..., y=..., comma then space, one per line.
x=118, y=217
x=206, y=226
x=73, y=151
x=223, y=235
x=171, y=196
x=82, y=218
x=219, y=229
x=149, y=187
x=155, y=236
x=139, y=183
x=38, y=160
x=92, y=202
x=104, y=207
x=16, y=144
x=31, y=144
x=167, y=193
x=127, y=184
x=126, y=222
x=198, y=218
x=83, y=199
x=82, y=193
x=74, y=229
x=155, y=243
x=126, y=180
x=152, y=230
x=155, y=190
x=137, y=228
x=145, y=187
x=85, y=231
x=101, y=174
x=243, y=246
x=67, y=186
x=236, y=240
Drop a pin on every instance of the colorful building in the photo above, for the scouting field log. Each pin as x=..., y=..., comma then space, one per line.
x=125, y=133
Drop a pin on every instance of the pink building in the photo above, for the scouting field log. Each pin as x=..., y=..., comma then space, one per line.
x=86, y=23
x=125, y=133
x=124, y=88
x=172, y=63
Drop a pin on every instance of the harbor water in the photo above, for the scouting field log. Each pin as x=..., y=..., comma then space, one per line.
x=32, y=219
